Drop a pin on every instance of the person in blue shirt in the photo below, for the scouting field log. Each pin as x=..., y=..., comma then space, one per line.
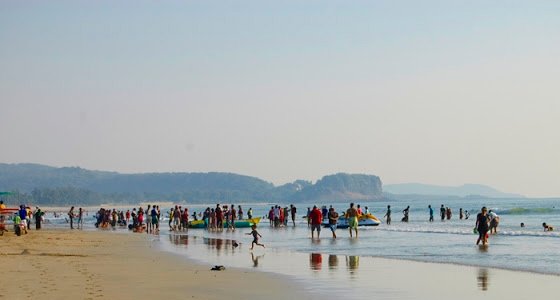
x=23, y=214
x=431, y=213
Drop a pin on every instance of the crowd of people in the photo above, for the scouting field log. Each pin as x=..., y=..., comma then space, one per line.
x=220, y=217
x=278, y=216
x=21, y=219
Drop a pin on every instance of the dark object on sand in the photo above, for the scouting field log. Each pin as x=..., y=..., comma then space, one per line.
x=235, y=244
x=218, y=268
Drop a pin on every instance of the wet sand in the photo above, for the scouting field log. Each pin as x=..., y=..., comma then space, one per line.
x=355, y=277
x=74, y=264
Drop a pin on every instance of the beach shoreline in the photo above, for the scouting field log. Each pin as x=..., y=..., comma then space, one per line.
x=98, y=264
x=64, y=263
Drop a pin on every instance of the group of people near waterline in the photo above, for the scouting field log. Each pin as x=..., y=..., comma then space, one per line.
x=21, y=218
x=224, y=217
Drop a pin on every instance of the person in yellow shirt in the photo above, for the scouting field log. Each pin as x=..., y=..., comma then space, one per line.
x=2, y=205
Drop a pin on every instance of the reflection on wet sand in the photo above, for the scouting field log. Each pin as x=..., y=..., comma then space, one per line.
x=352, y=263
x=212, y=243
x=483, y=279
x=179, y=239
x=333, y=262
x=228, y=247
x=315, y=261
x=255, y=259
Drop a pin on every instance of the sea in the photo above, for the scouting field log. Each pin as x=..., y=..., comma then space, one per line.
x=326, y=265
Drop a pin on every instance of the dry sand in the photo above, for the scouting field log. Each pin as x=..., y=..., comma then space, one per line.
x=74, y=264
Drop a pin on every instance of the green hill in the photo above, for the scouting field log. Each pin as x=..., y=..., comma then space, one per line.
x=41, y=184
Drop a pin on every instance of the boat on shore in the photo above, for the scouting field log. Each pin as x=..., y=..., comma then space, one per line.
x=245, y=223
x=363, y=220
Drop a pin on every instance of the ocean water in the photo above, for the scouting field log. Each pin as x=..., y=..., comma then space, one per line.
x=451, y=241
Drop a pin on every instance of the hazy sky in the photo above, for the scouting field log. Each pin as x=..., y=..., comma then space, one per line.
x=440, y=92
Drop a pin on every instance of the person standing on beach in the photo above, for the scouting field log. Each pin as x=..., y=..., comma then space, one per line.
x=482, y=226
x=240, y=212
x=158, y=216
x=316, y=218
x=154, y=219
x=148, y=220
x=80, y=218
x=71, y=216
x=388, y=215
x=233, y=217
x=293, y=211
x=352, y=217
x=333, y=220
x=460, y=214
x=442, y=213
x=308, y=218
x=127, y=216
x=212, y=221
x=256, y=236
x=431, y=213
x=28, y=216
x=250, y=213
x=276, y=213
x=219, y=218
x=271, y=216
x=38, y=218
x=176, y=218
x=185, y=219
x=22, y=212
x=170, y=215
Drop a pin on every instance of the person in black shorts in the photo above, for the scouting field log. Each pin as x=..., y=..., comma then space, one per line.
x=256, y=236
x=482, y=226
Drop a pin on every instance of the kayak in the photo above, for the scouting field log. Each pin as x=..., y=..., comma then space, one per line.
x=245, y=223
x=363, y=220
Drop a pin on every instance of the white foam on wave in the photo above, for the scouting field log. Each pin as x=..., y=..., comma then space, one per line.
x=466, y=231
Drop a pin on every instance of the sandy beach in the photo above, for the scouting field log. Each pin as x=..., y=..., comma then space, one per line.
x=90, y=264
x=74, y=264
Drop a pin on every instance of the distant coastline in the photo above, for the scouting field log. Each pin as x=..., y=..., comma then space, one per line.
x=46, y=185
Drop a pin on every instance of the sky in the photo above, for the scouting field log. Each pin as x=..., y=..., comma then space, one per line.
x=436, y=92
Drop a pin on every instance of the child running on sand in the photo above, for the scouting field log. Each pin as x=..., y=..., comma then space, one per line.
x=256, y=236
